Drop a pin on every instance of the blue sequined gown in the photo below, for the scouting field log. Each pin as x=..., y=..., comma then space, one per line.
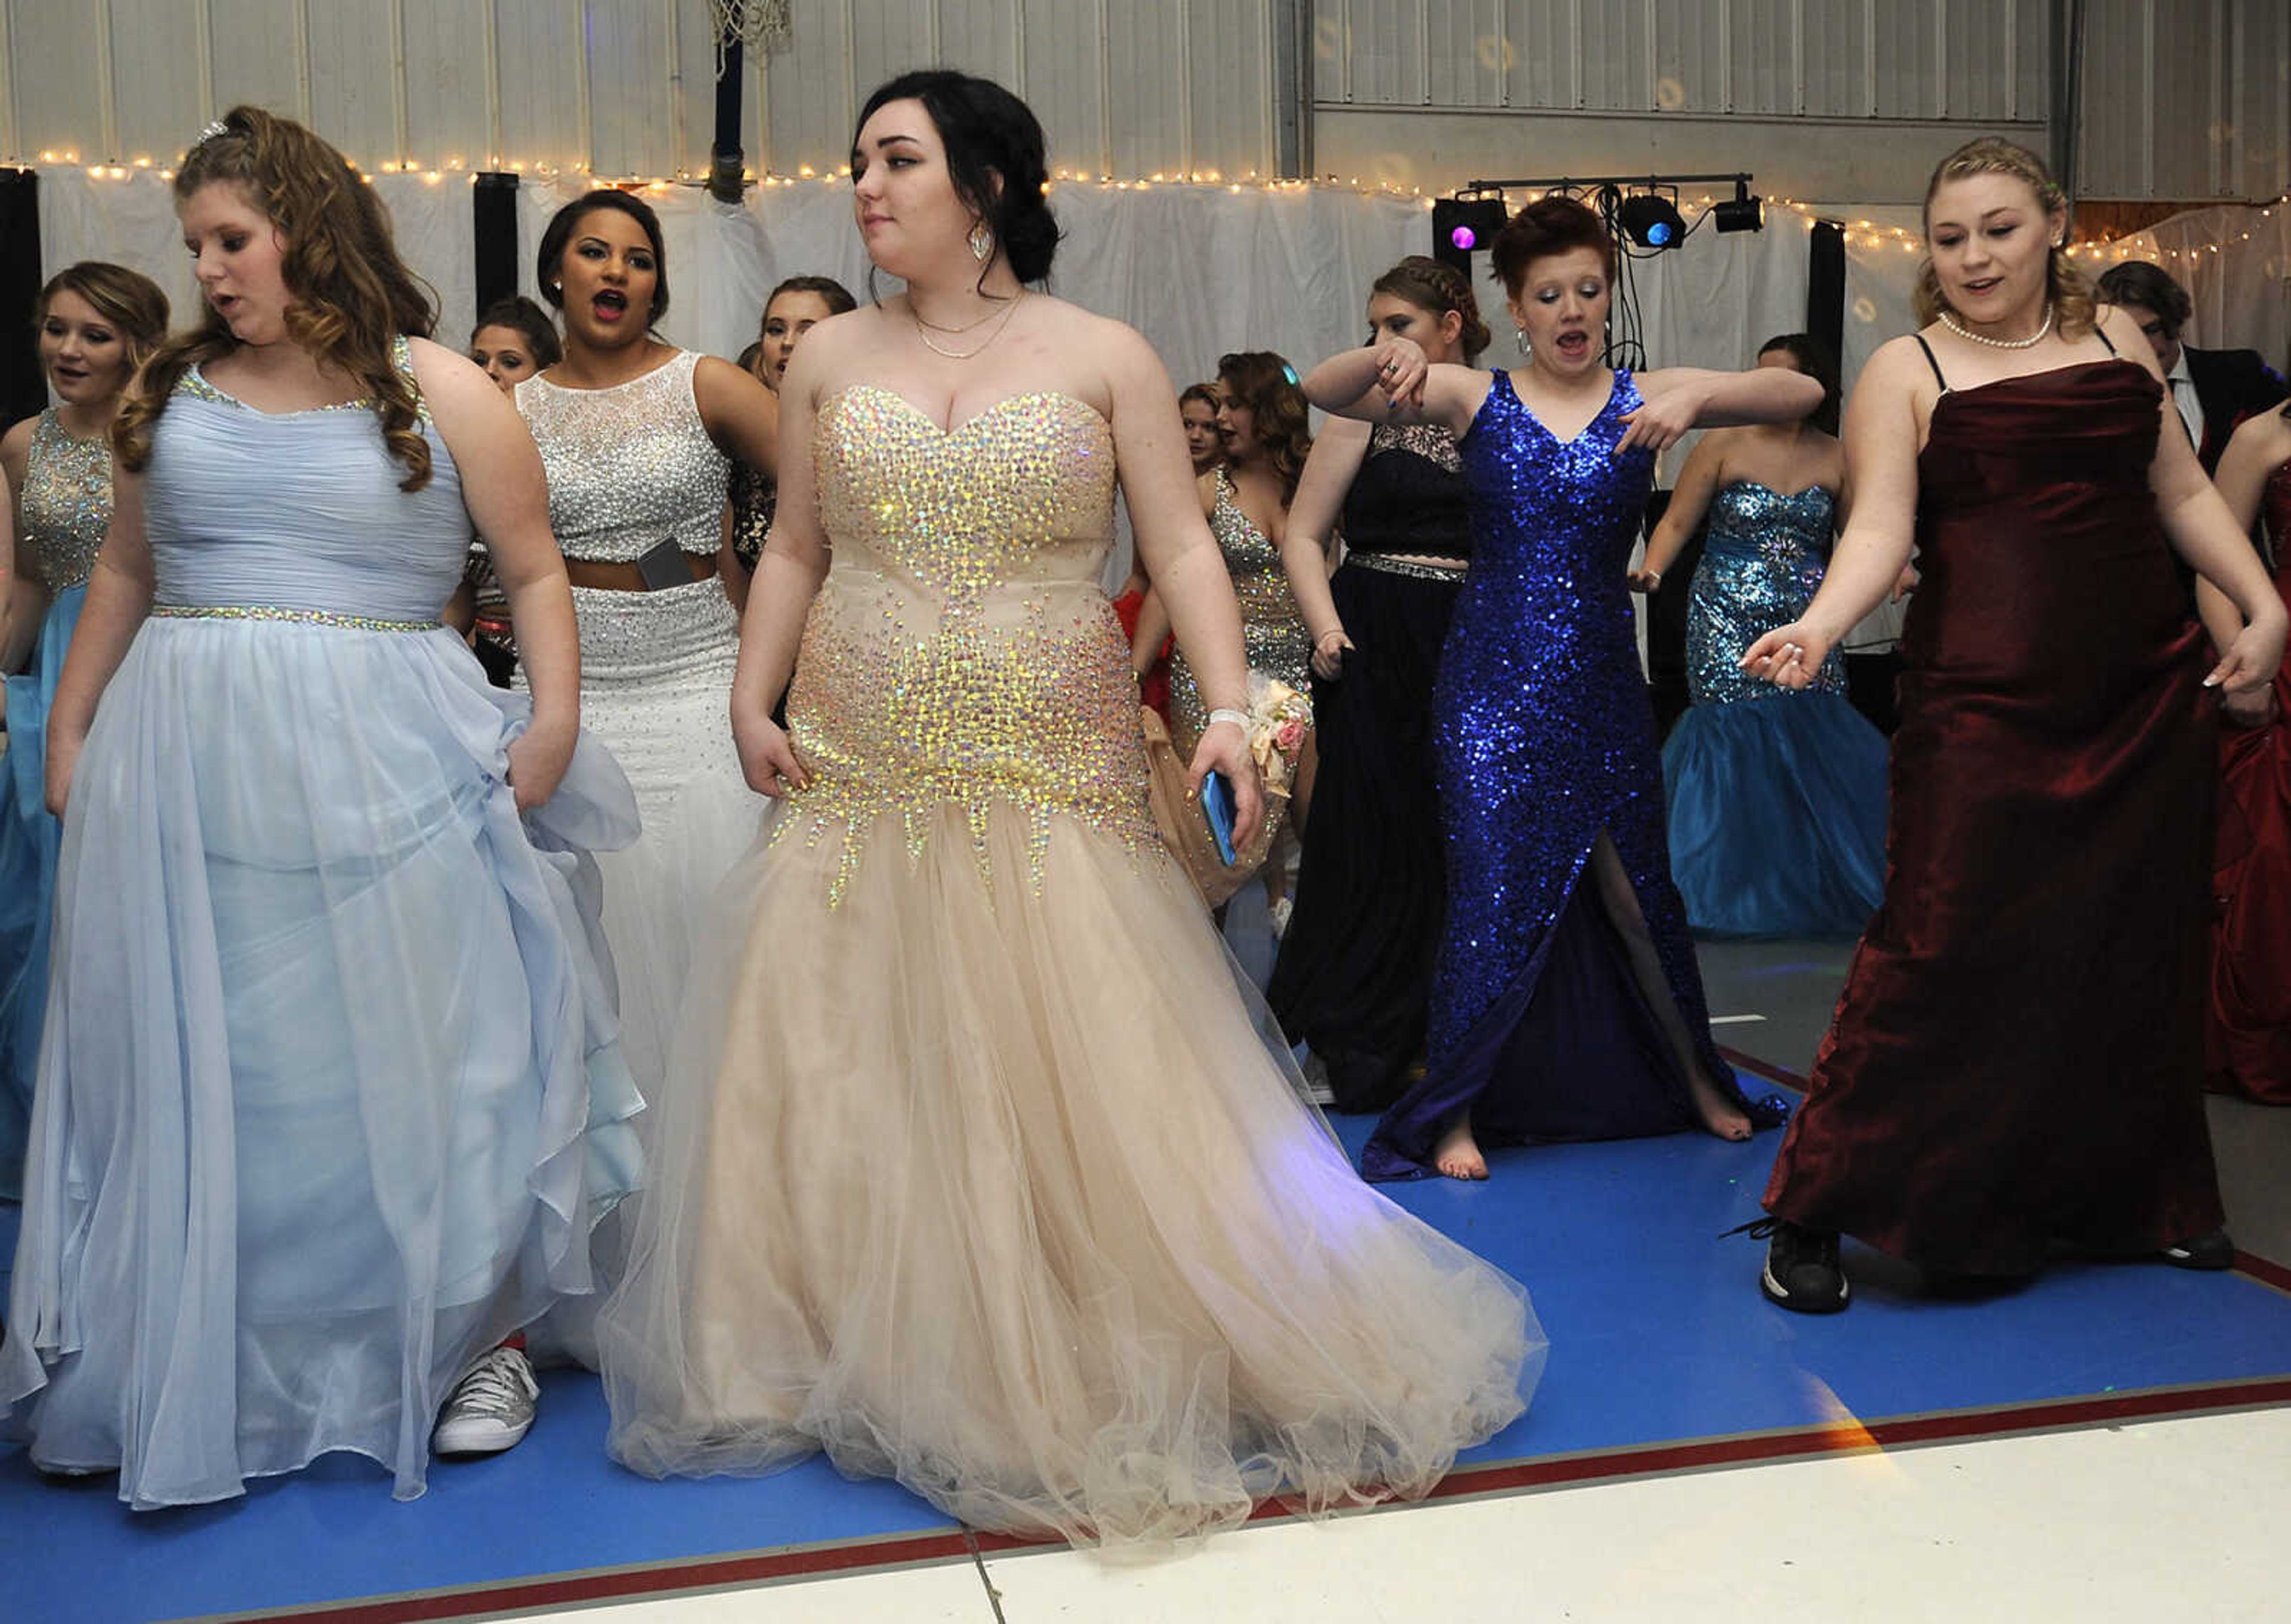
x=64, y=510
x=1777, y=799
x=1546, y=742
x=329, y=1094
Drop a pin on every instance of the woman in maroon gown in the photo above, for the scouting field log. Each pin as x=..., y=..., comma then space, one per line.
x=2247, y=1037
x=2016, y=1060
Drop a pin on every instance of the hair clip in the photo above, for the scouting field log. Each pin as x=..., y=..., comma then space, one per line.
x=1289, y=373
x=208, y=132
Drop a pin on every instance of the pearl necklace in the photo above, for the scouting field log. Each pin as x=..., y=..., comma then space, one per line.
x=2002, y=343
x=923, y=331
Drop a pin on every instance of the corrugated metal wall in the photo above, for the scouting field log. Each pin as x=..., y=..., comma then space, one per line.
x=2187, y=99
x=2183, y=97
x=626, y=86
x=1980, y=59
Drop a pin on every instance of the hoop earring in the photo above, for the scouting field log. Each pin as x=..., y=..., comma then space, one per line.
x=982, y=242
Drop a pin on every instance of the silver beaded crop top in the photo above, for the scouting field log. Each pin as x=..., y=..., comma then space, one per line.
x=629, y=466
x=67, y=503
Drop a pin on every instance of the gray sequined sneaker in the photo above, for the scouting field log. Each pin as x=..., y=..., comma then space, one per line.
x=490, y=1409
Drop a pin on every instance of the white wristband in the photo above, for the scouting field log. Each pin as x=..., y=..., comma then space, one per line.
x=1227, y=713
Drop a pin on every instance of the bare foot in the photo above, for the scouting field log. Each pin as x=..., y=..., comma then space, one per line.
x=1719, y=1113
x=1458, y=1153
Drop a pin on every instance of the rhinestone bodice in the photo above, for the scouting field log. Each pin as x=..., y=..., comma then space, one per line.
x=629, y=466
x=65, y=505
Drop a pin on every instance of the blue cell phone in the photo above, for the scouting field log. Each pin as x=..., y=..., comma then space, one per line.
x=1216, y=806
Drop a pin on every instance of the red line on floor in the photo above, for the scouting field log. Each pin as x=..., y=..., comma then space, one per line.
x=813, y=1561
x=1764, y=1068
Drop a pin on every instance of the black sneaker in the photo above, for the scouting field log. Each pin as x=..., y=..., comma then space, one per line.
x=1802, y=1272
x=2210, y=1250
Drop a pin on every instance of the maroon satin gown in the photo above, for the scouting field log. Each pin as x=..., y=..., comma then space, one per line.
x=2248, y=1042
x=2017, y=1057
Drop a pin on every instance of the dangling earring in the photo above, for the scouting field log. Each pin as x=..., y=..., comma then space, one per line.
x=982, y=242
x=1526, y=349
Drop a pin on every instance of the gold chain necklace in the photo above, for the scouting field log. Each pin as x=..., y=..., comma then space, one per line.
x=976, y=321
x=923, y=332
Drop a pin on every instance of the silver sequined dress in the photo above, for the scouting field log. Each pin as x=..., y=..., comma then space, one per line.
x=629, y=466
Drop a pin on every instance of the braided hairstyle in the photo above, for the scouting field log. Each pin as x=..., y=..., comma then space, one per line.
x=2064, y=285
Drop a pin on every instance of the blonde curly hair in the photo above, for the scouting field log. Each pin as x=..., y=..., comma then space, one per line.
x=2065, y=286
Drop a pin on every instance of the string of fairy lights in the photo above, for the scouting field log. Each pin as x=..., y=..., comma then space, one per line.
x=1859, y=233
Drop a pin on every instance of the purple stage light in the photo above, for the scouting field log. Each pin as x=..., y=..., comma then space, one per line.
x=1465, y=238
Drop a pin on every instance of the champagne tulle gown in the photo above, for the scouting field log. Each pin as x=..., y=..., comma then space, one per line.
x=977, y=1170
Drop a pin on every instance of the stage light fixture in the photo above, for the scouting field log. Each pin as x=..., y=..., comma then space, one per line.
x=1744, y=213
x=1651, y=221
x=1464, y=225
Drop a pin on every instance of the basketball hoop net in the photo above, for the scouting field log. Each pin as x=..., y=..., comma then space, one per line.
x=759, y=25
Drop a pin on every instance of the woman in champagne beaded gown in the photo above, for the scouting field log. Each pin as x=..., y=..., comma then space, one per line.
x=976, y=1171
x=2016, y=1061
x=96, y=325
x=2248, y=1038
x=1567, y=1003
x=1776, y=800
x=329, y=1097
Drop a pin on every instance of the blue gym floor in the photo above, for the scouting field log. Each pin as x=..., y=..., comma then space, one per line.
x=1658, y=1338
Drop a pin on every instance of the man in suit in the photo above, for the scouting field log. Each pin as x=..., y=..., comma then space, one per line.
x=2215, y=389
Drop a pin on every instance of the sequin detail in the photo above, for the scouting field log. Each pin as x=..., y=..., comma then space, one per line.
x=193, y=381
x=961, y=649
x=1413, y=568
x=1545, y=732
x=66, y=504
x=629, y=466
x=274, y=612
x=1760, y=565
x=1271, y=626
x=755, y=499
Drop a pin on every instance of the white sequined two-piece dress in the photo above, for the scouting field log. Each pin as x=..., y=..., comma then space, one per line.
x=329, y=1097
x=976, y=1168
x=630, y=467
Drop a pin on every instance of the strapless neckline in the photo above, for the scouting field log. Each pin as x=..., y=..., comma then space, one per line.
x=984, y=413
x=1760, y=485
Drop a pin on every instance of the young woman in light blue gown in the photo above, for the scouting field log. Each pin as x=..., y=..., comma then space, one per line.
x=96, y=324
x=329, y=1092
x=1776, y=799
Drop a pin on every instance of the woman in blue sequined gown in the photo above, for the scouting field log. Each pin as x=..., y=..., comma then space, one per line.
x=1566, y=1004
x=328, y=1096
x=1776, y=799
x=977, y=1170
x=95, y=323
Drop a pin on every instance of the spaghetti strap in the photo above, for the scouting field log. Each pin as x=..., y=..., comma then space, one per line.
x=1930, y=362
x=2101, y=334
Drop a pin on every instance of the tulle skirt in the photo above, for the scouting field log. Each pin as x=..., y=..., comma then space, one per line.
x=1777, y=808
x=329, y=1097
x=991, y=1175
x=31, y=840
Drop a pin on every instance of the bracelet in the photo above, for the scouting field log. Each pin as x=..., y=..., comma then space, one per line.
x=1227, y=713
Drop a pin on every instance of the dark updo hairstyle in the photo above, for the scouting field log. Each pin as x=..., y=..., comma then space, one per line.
x=2152, y=288
x=988, y=133
x=520, y=313
x=1437, y=288
x=130, y=301
x=350, y=297
x=1546, y=227
x=1814, y=360
x=568, y=220
x=1277, y=409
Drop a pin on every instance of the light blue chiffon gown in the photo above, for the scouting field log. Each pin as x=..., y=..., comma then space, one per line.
x=330, y=1092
